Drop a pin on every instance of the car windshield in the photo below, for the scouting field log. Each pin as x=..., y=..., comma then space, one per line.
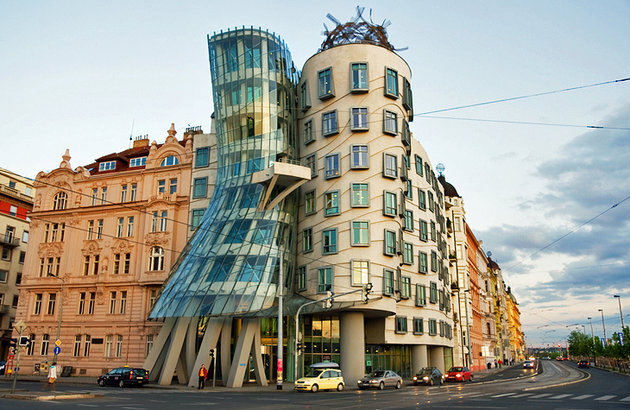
x=314, y=372
x=378, y=373
x=426, y=370
x=456, y=369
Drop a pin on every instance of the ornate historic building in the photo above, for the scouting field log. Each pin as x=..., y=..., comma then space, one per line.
x=103, y=238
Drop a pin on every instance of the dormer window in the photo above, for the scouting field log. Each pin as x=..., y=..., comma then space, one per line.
x=138, y=162
x=170, y=160
x=107, y=166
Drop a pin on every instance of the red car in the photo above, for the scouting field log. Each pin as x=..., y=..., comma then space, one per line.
x=458, y=374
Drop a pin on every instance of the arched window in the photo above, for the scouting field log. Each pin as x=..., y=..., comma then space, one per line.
x=156, y=258
x=60, y=200
x=170, y=160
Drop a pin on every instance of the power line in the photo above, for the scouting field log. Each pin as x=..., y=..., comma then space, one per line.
x=603, y=127
x=522, y=97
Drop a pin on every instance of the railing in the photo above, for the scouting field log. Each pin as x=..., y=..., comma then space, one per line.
x=9, y=240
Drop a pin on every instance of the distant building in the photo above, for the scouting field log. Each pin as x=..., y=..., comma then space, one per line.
x=204, y=173
x=103, y=239
x=16, y=200
x=517, y=342
x=502, y=350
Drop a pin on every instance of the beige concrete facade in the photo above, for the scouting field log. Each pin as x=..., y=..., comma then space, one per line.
x=204, y=174
x=360, y=215
x=103, y=238
x=16, y=200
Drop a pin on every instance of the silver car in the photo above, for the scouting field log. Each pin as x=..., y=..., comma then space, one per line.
x=380, y=379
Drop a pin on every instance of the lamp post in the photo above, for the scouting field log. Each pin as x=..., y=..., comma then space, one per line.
x=590, y=319
x=468, y=328
x=603, y=326
x=620, y=312
x=280, y=336
x=63, y=283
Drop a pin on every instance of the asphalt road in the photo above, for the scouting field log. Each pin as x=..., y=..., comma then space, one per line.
x=593, y=389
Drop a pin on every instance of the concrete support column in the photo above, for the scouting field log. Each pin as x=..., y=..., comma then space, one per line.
x=436, y=357
x=352, y=340
x=419, y=357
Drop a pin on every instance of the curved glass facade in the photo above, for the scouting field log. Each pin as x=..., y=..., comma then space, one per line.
x=231, y=264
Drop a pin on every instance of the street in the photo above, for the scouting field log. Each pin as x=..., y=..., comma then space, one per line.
x=508, y=388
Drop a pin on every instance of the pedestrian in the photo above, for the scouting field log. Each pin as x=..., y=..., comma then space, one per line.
x=500, y=363
x=203, y=375
x=52, y=377
x=496, y=364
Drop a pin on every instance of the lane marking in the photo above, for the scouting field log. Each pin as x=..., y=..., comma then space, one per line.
x=521, y=395
x=626, y=399
x=607, y=397
x=540, y=396
x=560, y=396
x=582, y=397
x=504, y=395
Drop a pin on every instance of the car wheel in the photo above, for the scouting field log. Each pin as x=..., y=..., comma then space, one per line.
x=398, y=384
x=101, y=383
x=340, y=387
x=314, y=388
x=361, y=388
x=381, y=386
x=121, y=384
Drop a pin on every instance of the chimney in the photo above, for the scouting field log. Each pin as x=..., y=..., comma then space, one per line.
x=141, y=141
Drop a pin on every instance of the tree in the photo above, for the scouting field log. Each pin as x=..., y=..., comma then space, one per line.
x=579, y=344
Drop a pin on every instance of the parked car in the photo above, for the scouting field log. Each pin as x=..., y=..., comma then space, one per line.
x=458, y=374
x=322, y=378
x=584, y=363
x=528, y=364
x=3, y=367
x=124, y=376
x=429, y=376
x=380, y=379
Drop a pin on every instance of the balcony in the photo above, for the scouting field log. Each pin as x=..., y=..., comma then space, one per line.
x=9, y=240
x=4, y=309
x=280, y=178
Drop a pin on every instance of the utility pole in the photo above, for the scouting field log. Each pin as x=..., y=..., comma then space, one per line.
x=280, y=336
x=590, y=319
x=604, y=326
x=620, y=312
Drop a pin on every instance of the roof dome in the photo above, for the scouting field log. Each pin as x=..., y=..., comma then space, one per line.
x=449, y=190
x=493, y=265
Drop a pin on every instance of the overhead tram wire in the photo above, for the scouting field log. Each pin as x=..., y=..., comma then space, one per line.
x=600, y=127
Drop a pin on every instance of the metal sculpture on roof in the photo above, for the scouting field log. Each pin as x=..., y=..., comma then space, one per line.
x=359, y=30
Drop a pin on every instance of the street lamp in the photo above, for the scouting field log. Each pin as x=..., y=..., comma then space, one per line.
x=620, y=312
x=604, y=326
x=63, y=283
x=590, y=319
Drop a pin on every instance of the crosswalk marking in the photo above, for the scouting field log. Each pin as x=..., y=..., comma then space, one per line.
x=625, y=399
x=504, y=395
x=521, y=395
x=608, y=397
x=582, y=397
x=560, y=396
x=540, y=396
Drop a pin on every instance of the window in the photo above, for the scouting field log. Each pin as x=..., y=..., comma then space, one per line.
x=161, y=186
x=405, y=287
x=103, y=195
x=109, y=341
x=77, y=346
x=409, y=189
x=134, y=188
x=12, y=210
x=324, y=279
x=329, y=123
x=87, y=344
x=138, y=162
x=3, y=276
x=200, y=187
x=149, y=345
x=390, y=166
x=123, y=302
x=239, y=231
x=359, y=157
x=94, y=196
x=401, y=324
x=31, y=346
x=418, y=326
x=408, y=253
x=307, y=240
x=311, y=162
x=434, y=261
x=301, y=278
x=172, y=186
x=112, y=302
x=406, y=134
x=433, y=232
x=360, y=272
x=390, y=122
x=45, y=342
x=170, y=160
x=418, y=165
x=458, y=224
x=360, y=233
x=156, y=259
x=422, y=199
x=432, y=327
x=119, y=345
x=91, y=303
x=25, y=236
x=152, y=297
x=359, y=119
x=389, y=203
x=130, y=226
x=37, y=305
x=329, y=241
x=360, y=195
x=195, y=221
x=331, y=203
x=120, y=227
x=309, y=203
x=433, y=293
x=54, y=232
x=202, y=157
x=331, y=169
x=308, y=132
x=82, y=301
x=163, y=219
x=99, y=229
x=325, y=84
x=390, y=242
x=407, y=98
x=424, y=231
x=388, y=282
x=6, y=254
x=121, y=263
x=14, y=302
x=431, y=202
x=52, y=299
x=422, y=260
x=123, y=193
x=305, y=96
x=22, y=257
x=60, y=200
x=421, y=295
x=359, y=72
x=408, y=220
x=427, y=172
x=391, y=83
x=107, y=166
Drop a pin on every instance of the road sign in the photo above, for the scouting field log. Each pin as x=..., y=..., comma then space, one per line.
x=19, y=326
x=57, y=350
x=58, y=342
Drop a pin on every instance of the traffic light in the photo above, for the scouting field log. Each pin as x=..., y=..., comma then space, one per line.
x=211, y=353
x=328, y=301
x=300, y=347
x=367, y=289
x=13, y=342
x=24, y=341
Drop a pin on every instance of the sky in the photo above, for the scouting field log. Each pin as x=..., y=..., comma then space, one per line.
x=85, y=75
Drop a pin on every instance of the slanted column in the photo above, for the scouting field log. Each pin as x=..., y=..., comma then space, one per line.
x=436, y=354
x=419, y=358
x=352, y=340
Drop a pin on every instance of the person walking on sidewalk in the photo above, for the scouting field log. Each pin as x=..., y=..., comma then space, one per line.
x=52, y=377
x=203, y=375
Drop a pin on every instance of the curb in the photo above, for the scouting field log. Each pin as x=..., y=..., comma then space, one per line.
x=585, y=377
x=538, y=371
x=52, y=397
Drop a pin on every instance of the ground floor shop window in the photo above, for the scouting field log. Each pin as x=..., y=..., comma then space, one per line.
x=388, y=357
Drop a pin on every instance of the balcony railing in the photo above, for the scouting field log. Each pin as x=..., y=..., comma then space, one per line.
x=9, y=240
